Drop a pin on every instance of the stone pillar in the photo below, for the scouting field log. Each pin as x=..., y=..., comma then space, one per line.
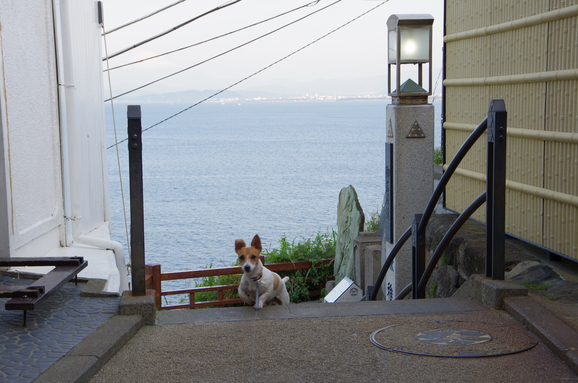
x=360, y=243
x=372, y=256
x=409, y=180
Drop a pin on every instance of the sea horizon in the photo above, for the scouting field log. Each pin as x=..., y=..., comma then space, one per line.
x=223, y=171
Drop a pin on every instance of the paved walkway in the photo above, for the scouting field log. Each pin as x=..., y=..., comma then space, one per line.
x=59, y=324
x=331, y=342
x=76, y=339
x=71, y=338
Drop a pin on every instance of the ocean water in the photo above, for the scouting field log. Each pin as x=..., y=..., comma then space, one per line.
x=219, y=172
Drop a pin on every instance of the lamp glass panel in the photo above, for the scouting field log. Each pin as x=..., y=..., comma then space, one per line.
x=392, y=46
x=414, y=44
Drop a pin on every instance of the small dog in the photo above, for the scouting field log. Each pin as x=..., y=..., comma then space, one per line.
x=271, y=288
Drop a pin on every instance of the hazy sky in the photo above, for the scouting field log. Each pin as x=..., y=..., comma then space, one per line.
x=356, y=51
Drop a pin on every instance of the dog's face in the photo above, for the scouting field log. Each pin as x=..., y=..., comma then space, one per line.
x=248, y=256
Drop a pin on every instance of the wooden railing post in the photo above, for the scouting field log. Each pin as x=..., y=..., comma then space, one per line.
x=153, y=281
x=148, y=277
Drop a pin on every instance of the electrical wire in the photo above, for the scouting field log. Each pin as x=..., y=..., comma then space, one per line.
x=214, y=38
x=173, y=28
x=117, y=151
x=259, y=71
x=222, y=53
x=142, y=18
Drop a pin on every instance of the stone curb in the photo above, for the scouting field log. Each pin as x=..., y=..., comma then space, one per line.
x=86, y=358
x=553, y=332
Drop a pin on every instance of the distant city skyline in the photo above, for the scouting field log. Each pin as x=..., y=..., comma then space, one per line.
x=346, y=58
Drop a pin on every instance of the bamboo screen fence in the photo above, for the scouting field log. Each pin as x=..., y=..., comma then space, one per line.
x=526, y=52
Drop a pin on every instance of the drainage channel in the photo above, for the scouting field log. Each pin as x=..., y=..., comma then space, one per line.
x=453, y=339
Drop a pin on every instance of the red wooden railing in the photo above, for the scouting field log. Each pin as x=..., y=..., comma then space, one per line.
x=154, y=279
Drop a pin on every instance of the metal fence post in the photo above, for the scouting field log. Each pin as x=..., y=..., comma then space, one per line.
x=418, y=255
x=496, y=190
x=137, y=255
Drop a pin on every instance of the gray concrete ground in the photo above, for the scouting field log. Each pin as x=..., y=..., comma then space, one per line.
x=74, y=338
x=78, y=339
x=331, y=342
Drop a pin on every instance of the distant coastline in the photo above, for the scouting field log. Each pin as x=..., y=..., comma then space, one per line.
x=305, y=98
x=182, y=99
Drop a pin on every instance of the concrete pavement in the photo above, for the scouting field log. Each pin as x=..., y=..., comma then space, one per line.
x=330, y=342
x=72, y=338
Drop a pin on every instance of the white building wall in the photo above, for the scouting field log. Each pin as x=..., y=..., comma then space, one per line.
x=81, y=46
x=30, y=125
x=53, y=168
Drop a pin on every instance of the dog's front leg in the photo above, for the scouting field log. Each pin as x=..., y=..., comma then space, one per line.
x=247, y=298
x=264, y=298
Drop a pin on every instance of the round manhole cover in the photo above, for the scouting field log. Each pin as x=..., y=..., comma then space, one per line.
x=452, y=336
x=453, y=339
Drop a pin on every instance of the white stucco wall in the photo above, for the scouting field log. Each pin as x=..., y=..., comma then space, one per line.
x=83, y=67
x=30, y=123
x=53, y=168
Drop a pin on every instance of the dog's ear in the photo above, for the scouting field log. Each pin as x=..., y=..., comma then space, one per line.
x=256, y=243
x=239, y=244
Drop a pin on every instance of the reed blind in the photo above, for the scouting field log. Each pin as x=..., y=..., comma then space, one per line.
x=525, y=52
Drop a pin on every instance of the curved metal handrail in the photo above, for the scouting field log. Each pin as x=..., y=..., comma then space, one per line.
x=458, y=223
x=379, y=280
x=454, y=163
x=403, y=293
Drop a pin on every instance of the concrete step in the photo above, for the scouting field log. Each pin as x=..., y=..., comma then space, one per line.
x=322, y=310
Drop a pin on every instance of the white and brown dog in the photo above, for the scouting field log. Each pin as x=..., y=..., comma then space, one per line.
x=271, y=287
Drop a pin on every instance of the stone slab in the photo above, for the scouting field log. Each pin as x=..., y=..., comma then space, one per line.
x=140, y=305
x=88, y=356
x=492, y=293
x=96, y=288
x=557, y=335
x=106, y=340
x=350, y=222
x=320, y=310
x=74, y=369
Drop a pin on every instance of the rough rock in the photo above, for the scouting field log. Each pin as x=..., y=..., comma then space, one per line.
x=350, y=222
x=443, y=283
x=466, y=255
x=532, y=271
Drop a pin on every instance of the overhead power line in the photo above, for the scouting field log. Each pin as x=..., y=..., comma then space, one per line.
x=222, y=53
x=173, y=29
x=214, y=38
x=257, y=72
x=104, y=33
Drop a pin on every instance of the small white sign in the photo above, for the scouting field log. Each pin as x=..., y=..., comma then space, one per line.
x=345, y=291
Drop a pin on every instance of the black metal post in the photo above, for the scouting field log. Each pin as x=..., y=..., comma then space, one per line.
x=387, y=211
x=496, y=190
x=137, y=255
x=418, y=257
